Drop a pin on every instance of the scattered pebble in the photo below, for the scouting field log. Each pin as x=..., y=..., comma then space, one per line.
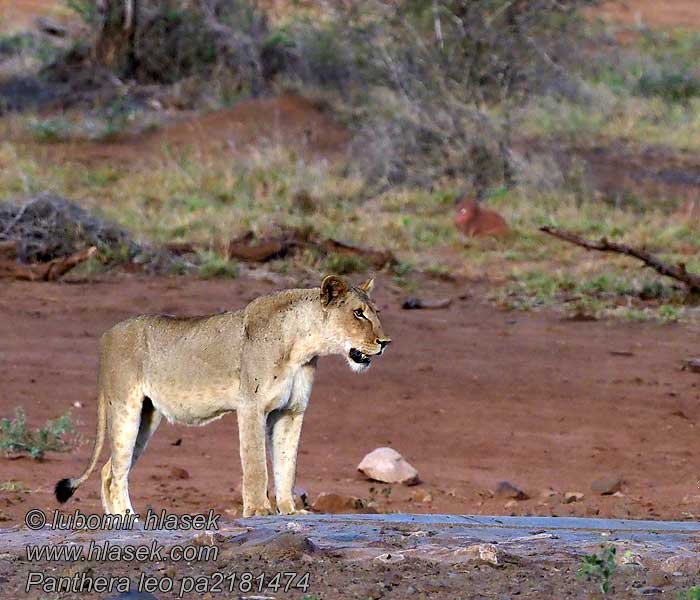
x=607, y=485
x=329, y=502
x=179, y=473
x=570, y=497
x=505, y=489
x=421, y=496
x=388, y=466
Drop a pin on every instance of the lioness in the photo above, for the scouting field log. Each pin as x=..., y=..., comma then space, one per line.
x=259, y=361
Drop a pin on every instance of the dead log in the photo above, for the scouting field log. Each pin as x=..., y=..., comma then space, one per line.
x=677, y=272
x=49, y=271
x=377, y=258
x=251, y=249
x=247, y=249
x=418, y=304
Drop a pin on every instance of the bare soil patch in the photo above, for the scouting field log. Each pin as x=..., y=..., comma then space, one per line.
x=291, y=121
x=652, y=13
x=19, y=15
x=469, y=395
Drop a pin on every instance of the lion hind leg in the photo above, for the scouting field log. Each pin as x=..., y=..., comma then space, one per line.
x=106, y=478
x=124, y=431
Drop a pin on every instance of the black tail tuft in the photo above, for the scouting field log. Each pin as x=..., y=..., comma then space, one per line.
x=64, y=490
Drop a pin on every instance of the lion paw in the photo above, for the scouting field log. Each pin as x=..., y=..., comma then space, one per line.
x=295, y=511
x=257, y=512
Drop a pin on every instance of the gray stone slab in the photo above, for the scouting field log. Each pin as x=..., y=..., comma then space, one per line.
x=672, y=546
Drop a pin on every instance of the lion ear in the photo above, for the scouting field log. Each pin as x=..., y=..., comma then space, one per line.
x=366, y=286
x=332, y=288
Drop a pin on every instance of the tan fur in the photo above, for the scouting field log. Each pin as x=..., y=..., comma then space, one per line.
x=259, y=361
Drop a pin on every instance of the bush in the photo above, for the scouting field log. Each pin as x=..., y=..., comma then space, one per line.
x=49, y=227
x=416, y=78
x=16, y=437
x=670, y=84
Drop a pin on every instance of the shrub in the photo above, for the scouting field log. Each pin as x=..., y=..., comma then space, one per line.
x=17, y=437
x=213, y=266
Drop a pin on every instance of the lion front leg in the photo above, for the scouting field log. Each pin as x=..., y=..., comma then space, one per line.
x=251, y=432
x=284, y=430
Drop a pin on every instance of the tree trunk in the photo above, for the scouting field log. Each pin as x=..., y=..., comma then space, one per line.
x=115, y=48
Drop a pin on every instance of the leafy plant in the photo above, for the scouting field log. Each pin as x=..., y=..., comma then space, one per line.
x=85, y=9
x=599, y=567
x=17, y=437
x=692, y=594
x=13, y=485
x=53, y=129
x=669, y=314
x=213, y=266
x=344, y=264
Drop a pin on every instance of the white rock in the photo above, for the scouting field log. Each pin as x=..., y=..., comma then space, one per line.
x=388, y=466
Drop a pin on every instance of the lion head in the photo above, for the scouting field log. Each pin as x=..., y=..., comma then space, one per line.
x=352, y=321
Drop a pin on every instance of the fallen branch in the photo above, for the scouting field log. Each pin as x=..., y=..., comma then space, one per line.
x=248, y=248
x=677, y=272
x=49, y=271
x=377, y=258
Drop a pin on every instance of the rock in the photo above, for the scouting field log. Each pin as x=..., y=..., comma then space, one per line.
x=336, y=503
x=505, y=489
x=388, y=466
x=301, y=498
x=680, y=564
x=421, y=496
x=473, y=220
x=485, y=553
x=390, y=558
x=571, y=497
x=511, y=504
x=50, y=27
x=413, y=303
x=649, y=591
x=179, y=473
x=691, y=364
x=288, y=545
x=134, y=596
x=607, y=485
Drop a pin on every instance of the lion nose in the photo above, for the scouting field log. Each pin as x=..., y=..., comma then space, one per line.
x=383, y=343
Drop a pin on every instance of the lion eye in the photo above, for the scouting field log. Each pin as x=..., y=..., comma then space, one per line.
x=358, y=313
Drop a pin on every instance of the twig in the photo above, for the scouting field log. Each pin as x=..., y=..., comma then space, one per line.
x=17, y=218
x=438, y=26
x=677, y=272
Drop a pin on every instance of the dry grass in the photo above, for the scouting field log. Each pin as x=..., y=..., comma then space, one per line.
x=210, y=199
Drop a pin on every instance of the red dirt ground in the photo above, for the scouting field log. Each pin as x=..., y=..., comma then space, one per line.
x=291, y=121
x=16, y=15
x=469, y=395
x=652, y=13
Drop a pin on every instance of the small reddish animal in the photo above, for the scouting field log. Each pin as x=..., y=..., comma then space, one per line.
x=473, y=220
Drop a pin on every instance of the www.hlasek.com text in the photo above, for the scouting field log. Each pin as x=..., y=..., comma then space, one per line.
x=111, y=552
